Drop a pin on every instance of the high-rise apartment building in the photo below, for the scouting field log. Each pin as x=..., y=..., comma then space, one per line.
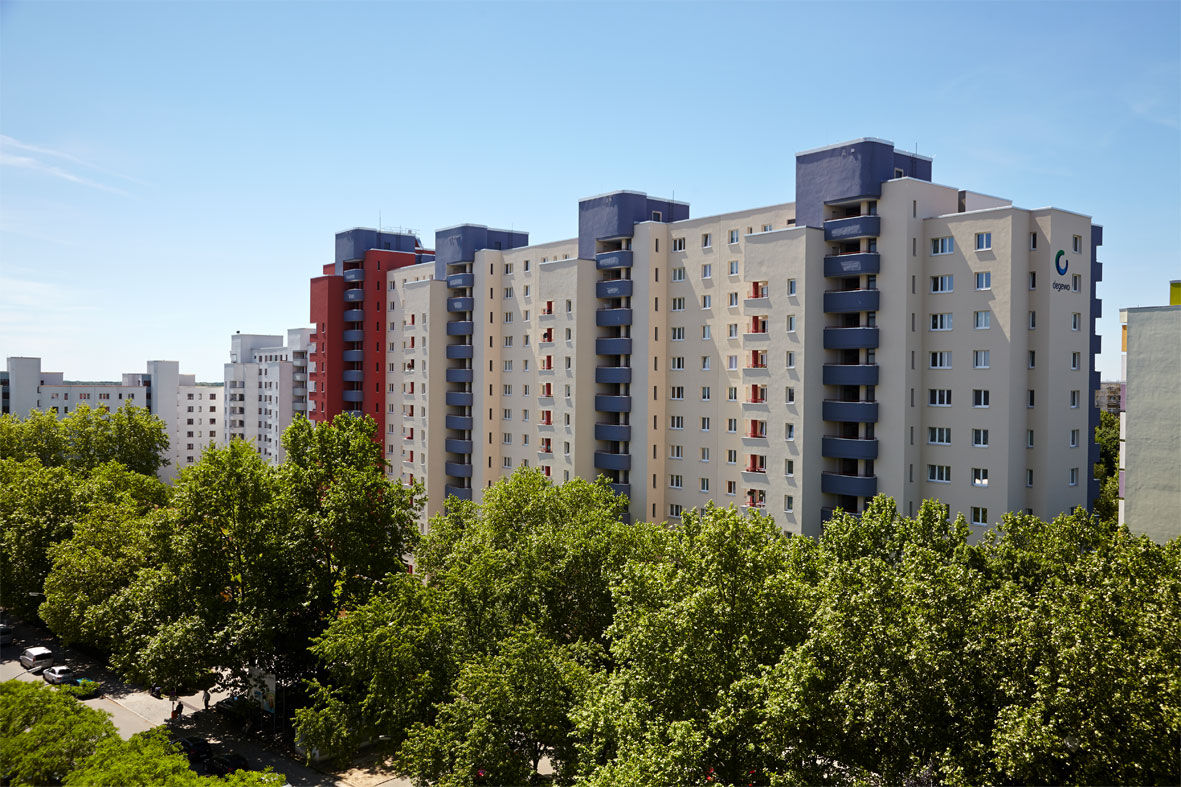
x=881, y=333
x=190, y=410
x=266, y=384
x=348, y=344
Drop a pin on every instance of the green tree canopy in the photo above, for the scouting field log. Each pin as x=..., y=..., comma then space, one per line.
x=45, y=733
x=86, y=438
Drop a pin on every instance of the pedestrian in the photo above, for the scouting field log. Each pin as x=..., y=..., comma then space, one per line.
x=205, y=698
x=180, y=709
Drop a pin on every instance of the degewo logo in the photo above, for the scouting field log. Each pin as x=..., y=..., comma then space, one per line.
x=1060, y=264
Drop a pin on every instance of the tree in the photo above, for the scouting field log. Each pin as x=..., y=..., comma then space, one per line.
x=38, y=508
x=1107, y=437
x=45, y=733
x=86, y=438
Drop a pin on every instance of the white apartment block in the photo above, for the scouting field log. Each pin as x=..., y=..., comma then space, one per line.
x=882, y=333
x=266, y=383
x=191, y=411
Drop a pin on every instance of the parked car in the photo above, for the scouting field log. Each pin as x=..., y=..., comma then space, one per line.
x=36, y=657
x=84, y=688
x=241, y=710
x=225, y=764
x=59, y=675
x=196, y=749
x=7, y=634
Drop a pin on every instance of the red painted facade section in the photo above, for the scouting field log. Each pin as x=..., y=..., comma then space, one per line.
x=328, y=357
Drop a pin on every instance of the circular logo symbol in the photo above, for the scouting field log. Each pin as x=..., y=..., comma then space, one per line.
x=1060, y=264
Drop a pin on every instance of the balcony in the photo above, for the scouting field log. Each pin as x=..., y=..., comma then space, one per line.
x=458, y=399
x=609, y=461
x=620, y=258
x=609, y=318
x=353, y=356
x=613, y=374
x=844, y=301
x=457, y=281
x=299, y=377
x=613, y=346
x=853, y=227
x=460, y=304
x=851, y=485
x=353, y=413
x=353, y=376
x=613, y=404
x=299, y=405
x=850, y=374
x=850, y=338
x=459, y=375
x=620, y=433
x=354, y=315
x=454, y=446
x=614, y=288
x=356, y=274
x=461, y=422
x=352, y=296
x=460, y=328
x=459, y=351
x=458, y=469
x=353, y=396
x=461, y=492
x=848, y=448
x=621, y=489
x=299, y=392
x=857, y=264
x=851, y=412
x=353, y=335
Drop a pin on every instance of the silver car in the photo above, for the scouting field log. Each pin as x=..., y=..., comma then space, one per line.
x=58, y=675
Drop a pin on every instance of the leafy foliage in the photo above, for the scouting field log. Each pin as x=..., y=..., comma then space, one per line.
x=45, y=734
x=87, y=438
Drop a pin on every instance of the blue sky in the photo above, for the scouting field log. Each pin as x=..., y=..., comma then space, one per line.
x=173, y=172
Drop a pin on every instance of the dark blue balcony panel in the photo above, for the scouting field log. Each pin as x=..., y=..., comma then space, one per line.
x=353, y=356
x=460, y=304
x=852, y=485
x=606, y=461
x=462, y=492
x=613, y=404
x=460, y=328
x=613, y=374
x=613, y=288
x=457, y=446
x=458, y=399
x=354, y=315
x=353, y=335
x=353, y=376
x=356, y=274
x=352, y=296
x=459, y=375
x=852, y=412
x=850, y=374
x=458, y=281
x=458, y=469
x=847, y=448
x=353, y=413
x=613, y=346
x=852, y=264
x=353, y=396
x=841, y=301
x=461, y=422
x=606, y=318
x=850, y=338
x=613, y=259
x=613, y=432
x=459, y=351
x=622, y=489
x=853, y=227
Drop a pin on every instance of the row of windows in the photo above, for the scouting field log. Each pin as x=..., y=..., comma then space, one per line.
x=941, y=474
x=946, y=245
x=707, y=238
x=941, y=435
x=941, y=359
x=982, y=320
x=941, y=397
x=946, y=282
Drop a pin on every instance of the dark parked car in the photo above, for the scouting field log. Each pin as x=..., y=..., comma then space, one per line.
x=224, y=764
x=241, y=710
x=196, y=749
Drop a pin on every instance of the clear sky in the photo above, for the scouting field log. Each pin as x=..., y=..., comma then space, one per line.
x=174, y=172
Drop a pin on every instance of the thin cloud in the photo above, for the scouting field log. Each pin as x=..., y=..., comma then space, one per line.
x=9, y=142
x=27, y=162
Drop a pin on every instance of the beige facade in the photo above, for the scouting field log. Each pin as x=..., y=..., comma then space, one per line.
x=266, y=385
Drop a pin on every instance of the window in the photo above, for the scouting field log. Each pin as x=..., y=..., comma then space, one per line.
x=508, y=341
x=940, y=360
x=1029, y=438
x=569, y=306
x=1032, y=320
x=789, y=431
x=942, y=245
x=766, y=228
x=733, y=236
x=705, y=424
x=789, y=467
x=508, y=316
x=791, y=286
x=674, y=510
x=707, y=271
x=678, y=244
x=678, y=334
x=1032, y=242
x=942, y=283
x=704, y=454
x=732, y=362
x=676, y=451
x=705, y=363
x=508, y=414
x=939, y=435
x=706, y=240
x=704, y=485
x=732, y=391
x=983, y=241
x=731, y=487
x=1032, y=359
x=733, y=267
x=984, y=280
x=705, y=392
x=979, y=476
x=507, y=389
x=731, y=425
x=508, y=366
x=1074, y=438
x=732, y=330
x=1077, y=245
x=983, y=320
x=790, y=395
x=980, y=397
x=1030, y=398
x=506, y=438
x=980, y=359
x=1075, y=359
x=1074, y=399
x=1072, y=476
x=676, y=422
x=678, y=304
x=939, y=397
x=980, y=438
x=678, y=362
x=791, y=323
x=1029, y=477
x=940, y=474
x=979, y=515
x=508, y=291
x=941, y=322
x=1076, y=283
x=791, y=360
x=675, y=481
x=1076, y=321
x=1033, y=280
x=706, y=301
x=788, y=504
x=733, y=299
x=676, y=392
x=678, y=274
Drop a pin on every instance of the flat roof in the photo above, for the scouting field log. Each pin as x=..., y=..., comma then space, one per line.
x=864, y=139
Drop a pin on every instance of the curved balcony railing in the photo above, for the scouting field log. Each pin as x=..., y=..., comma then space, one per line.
x=850, y=412
x=854, y=264
x=844, y=301
x=850, y=374
x=852, y=227
x=848, y=448
x=852, y=485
